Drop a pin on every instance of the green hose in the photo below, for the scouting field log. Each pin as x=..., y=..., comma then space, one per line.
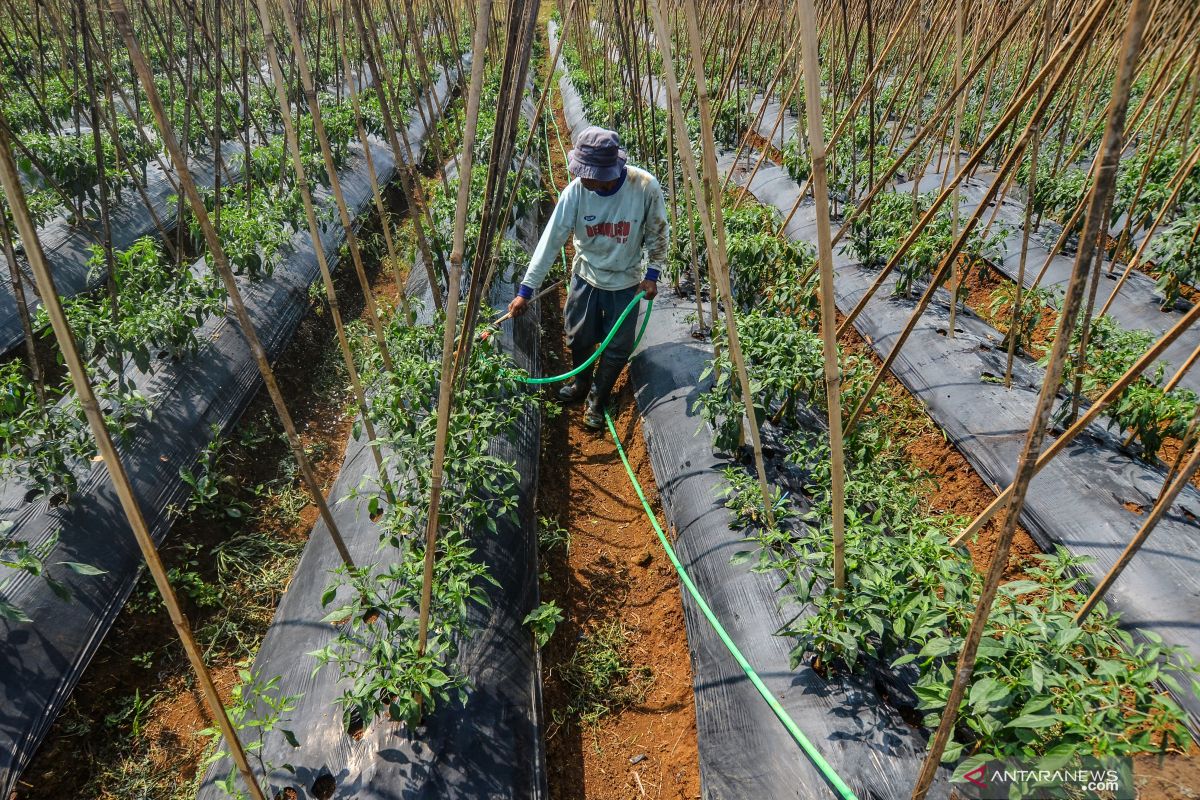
x=591, y=360
x=831, y=777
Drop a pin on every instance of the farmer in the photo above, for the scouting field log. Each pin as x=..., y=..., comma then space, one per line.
x=619, y=221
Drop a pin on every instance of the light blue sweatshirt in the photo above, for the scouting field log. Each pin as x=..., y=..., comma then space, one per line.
x=610, y=231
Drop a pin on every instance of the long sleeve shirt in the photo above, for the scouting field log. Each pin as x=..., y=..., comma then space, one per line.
x=614, y=234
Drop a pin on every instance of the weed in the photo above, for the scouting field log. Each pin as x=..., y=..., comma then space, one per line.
x=211, y=484
x=131, y=714
x=552, y=535
x=600, y=676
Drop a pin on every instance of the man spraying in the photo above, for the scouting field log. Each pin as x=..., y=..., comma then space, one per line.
x=618, y=218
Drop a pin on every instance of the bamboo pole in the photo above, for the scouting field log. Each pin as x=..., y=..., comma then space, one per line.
x=956, y=147
x=1067, y=51
x=10, y=179
x=1026, y=465
x=221, y=263
x=1008, y=164
x=314, y=230
x=335, y=183
x=833, y=373
x=1171, y=491
x=1090, y=415
x=1034, y=146
x=721, y=261
x=397, y=137
x=446, y=382
x=934, y=122
x=376, y=191
x=539, y=109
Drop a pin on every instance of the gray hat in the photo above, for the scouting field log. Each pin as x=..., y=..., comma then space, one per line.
x=597, y=155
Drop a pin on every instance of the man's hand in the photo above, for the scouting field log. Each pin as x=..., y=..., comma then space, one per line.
x=649, y=287
x=518, y=307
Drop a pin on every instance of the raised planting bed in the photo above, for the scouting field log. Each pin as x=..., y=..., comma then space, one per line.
x=351, y=673
x=193, y=400
x=1080, y=500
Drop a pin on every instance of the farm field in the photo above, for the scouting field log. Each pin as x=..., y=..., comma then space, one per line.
x=558, y=399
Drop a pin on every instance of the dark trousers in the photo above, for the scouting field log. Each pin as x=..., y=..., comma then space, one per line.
x=591, y=313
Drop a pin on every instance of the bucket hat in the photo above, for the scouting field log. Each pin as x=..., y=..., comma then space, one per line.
x=597, y=155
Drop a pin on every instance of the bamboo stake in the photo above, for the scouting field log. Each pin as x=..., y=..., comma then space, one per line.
x=335, y=183
x=314, y=230
x=396, y=137
x=221, y=263
x=1034, y=146
x=1090, y=415
x=1161, y=506
x=1026, y=465
x=1066, y=52
x=935, y=281
x=833, y=373
x=116, y=469
x=539, y=109
x=446, y=383
x=18, y=285
x=376, y=191
x=956, y=146
x=935, y=121
x=720, y=263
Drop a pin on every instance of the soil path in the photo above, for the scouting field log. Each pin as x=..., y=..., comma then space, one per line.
x=612, y=574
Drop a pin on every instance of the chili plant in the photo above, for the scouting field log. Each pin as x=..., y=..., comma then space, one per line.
x=1176, y=255
x=1145, y=408
x=376, y=647
x=158, y=308
x=259, y=707
x=876, y=235
x=44, y=445
x=1045, y=689
x=21, y=556
x=1033, y=305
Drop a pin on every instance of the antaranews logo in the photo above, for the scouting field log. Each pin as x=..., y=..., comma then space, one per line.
x=994, y=779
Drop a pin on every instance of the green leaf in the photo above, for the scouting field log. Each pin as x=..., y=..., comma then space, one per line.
x=10, y=612
x=986, y=693
x=969, y=763
x=290, y=737
x=1036, y=721
x=1067, y=636
x=1058, y=756
x=83, y=569
x=936, y=647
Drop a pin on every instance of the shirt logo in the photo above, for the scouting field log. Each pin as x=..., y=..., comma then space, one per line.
x=589, y=217
x=613, y=230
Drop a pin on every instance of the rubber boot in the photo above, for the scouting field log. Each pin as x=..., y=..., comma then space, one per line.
x=597, y=401
x=577, y=388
